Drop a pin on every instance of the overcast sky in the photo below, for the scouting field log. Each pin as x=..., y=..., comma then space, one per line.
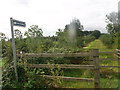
x=50, y=15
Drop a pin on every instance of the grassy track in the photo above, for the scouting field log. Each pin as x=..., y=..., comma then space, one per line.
x=97, y=44
x=106, y=81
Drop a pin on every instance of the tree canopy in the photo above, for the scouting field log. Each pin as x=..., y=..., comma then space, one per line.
x=34, y=31
x=112, y=22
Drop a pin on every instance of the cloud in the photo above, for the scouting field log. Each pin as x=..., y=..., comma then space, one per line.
x=53, y=14
x=23, y=2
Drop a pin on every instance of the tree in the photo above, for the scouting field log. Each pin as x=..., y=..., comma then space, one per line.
x=113, y=27
x=62, y=38
x=18, y=34
x=2, y=36
x=34, y=40
x=3, y=44
x=96, y=34
x=73, y=32
x=75, y=28
x=34, y=31
x=112, y=20
x=87, y=33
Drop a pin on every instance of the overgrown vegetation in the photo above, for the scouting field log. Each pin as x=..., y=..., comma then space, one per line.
x=112, y=38
x=71, y=39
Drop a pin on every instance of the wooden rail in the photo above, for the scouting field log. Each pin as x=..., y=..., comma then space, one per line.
x=113, y=59
x=54, y=54
x=108, y=52
x=65, y=66
x=111, y=66
x=118, y=50
x=69, y=78
x=118, y=56
x=118, y=53
x=60, y=66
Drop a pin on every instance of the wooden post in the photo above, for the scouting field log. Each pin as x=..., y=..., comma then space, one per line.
x=96, y=69
x=91, y=57
x=118, y=44
x=14, y=49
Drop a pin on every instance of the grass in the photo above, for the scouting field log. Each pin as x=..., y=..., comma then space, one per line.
x=1, y=62
x=74, y=84
x=106, y=81
x=97, y=44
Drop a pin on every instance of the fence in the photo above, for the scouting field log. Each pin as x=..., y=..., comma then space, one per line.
x=93, y=54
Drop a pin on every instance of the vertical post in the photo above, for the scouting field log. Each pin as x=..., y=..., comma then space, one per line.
x=1, y=62
x=96, y=69
x=14, y=49
x=118, y=44
x=91, y=57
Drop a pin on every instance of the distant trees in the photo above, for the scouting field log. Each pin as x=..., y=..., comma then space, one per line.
x=96, y=34
x=74, y=27
x=87, y=32
x=74, y=36
x=74, y=33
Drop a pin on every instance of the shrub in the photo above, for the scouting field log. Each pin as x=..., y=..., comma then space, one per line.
x=88, y=39
x=107, y=40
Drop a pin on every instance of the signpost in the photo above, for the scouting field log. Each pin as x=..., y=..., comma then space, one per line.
x=21, y=24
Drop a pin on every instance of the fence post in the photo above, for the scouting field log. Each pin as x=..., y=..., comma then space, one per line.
x=96, y=68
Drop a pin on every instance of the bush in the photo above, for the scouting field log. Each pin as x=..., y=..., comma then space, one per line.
x=88, y=39
x=107, y=40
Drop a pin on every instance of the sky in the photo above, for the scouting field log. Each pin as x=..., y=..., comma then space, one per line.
x=50, y=15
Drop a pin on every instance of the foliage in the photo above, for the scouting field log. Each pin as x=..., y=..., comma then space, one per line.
x=111, y=40
x=2, y=36
x=88, y=39
x=55, y=70
x=107, y=39
x=70, y=39
x=34, y=31
x=18, y=34
x=112, y=20
x=96, y=34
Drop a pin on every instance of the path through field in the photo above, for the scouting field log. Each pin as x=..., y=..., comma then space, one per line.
x=97, y=44
x=109, y=81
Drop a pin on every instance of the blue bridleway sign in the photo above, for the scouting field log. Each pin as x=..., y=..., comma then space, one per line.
x=19, y=23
